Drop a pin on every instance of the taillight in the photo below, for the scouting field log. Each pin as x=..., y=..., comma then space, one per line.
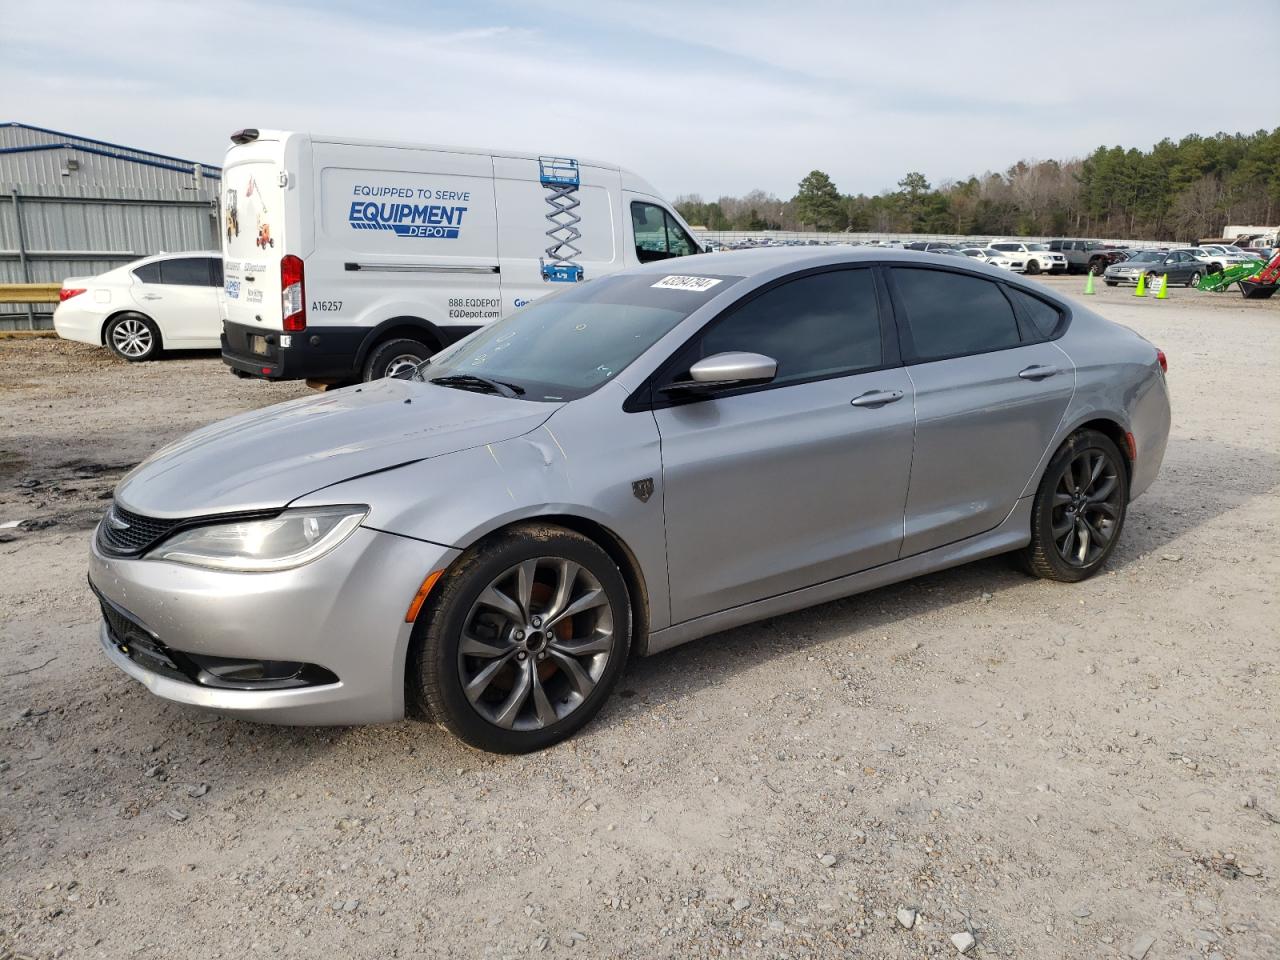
x=293, y=297
x=66, y=293
x=1163, y=360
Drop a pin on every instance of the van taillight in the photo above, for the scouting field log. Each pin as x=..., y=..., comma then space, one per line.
x=293, y=302
x=67, y=293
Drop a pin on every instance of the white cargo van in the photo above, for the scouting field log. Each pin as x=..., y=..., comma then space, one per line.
x=349, y=259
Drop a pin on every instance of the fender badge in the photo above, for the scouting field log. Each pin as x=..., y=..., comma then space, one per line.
x=643, y=489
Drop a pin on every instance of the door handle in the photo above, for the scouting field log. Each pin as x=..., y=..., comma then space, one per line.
x=1037, y=371
x=152, y=296
x=876, y=398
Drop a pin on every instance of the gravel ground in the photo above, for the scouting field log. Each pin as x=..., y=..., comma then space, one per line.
x=1054, y=771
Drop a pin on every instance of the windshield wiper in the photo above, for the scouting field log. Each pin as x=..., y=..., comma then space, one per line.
x=469, y=381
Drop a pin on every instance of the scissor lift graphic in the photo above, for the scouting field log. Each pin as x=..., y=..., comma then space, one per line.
x=559, y=175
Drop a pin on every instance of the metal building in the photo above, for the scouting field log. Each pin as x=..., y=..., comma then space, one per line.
x=73, y=206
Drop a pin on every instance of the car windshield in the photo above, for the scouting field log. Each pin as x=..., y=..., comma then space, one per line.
x=568, y=345
x=1037, y=246
x=1148, y=256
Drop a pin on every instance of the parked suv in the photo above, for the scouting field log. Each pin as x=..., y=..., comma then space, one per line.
x=1084, y=256
x=1038, y=257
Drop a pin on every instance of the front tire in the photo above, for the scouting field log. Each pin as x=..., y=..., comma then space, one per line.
x=524, y=641
x=395, y=358
x=1033, y=267
x=1195, y=278
x=133, y=337
x=1079, y=509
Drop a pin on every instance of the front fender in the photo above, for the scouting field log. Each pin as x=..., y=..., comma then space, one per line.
x=582, y=463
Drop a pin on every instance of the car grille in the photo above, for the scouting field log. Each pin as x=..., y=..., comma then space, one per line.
x=125, y=533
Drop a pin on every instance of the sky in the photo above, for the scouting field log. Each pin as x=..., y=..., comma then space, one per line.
x=696, y=97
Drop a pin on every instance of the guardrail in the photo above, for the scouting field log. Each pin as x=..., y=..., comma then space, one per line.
x=29, y=292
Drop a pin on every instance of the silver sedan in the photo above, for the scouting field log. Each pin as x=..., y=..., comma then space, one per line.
x=617, y=469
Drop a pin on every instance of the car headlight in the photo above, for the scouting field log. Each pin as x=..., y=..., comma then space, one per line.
x=282, y=542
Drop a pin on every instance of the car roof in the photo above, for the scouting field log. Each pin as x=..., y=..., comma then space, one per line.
x=156, y=257
x=766, y=263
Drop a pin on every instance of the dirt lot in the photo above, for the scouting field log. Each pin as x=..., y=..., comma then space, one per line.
x=1061, y=771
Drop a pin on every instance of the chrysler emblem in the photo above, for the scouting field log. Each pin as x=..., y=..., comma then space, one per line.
x=643, y=489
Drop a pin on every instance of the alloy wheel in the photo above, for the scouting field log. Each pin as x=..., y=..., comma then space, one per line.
x=535, y=643
x=1086, y=507
x=132, y=337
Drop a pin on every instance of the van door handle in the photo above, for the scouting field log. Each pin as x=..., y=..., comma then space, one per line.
x=152, y=296
x=876, y=398
x=1037, y=371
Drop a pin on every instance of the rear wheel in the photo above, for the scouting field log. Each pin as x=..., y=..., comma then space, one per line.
x=133, y=337
x=1079, y=509
x=395, y=358
x=525, y=640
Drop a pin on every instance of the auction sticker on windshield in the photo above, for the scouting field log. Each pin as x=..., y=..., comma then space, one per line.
x=696, y=284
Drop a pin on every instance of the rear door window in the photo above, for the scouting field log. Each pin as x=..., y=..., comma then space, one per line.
x=952, y=315
x=185, y=271
x=1043, y=316
x=148, y=273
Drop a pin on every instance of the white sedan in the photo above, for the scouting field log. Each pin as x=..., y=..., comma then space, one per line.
x=166, y=302
x=997, y=259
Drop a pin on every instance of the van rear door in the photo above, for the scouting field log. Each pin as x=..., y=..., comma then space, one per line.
x=253, y=233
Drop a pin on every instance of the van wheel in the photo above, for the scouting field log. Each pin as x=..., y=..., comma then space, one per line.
x=133, y=337
x=395, y=358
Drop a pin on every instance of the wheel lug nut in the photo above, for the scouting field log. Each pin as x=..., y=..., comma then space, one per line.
x=519, y=634
x=521, y=655
x=542, y=656
x=537, y=621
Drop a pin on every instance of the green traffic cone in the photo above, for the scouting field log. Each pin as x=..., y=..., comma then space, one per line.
x=1164, y=288
x=1088, y=284
x=1141, y=289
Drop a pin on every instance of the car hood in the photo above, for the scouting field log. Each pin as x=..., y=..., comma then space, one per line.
x=264, y=459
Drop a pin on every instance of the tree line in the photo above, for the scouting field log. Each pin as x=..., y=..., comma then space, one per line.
x=1185, y=190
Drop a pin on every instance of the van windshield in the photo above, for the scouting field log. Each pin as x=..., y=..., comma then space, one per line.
x=568, y=345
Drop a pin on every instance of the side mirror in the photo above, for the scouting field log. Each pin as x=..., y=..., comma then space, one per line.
x=727, y=370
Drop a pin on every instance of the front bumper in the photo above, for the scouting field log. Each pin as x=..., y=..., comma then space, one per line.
x=343, y=612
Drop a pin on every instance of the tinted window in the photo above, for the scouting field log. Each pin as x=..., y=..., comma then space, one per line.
x=149, y=273
x=658, y=235
x=816, y=326
x=1006, y=246
x=215, y=273
x=187, y=271
x=1045, y=317
x=952, y=315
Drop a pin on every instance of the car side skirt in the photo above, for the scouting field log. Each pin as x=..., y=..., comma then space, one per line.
x=1013, y=532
